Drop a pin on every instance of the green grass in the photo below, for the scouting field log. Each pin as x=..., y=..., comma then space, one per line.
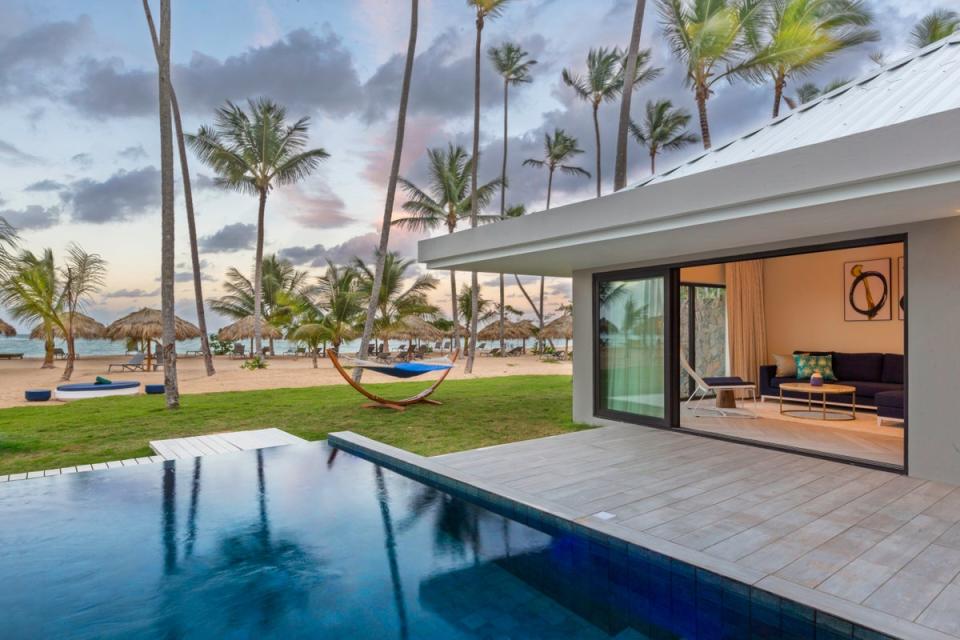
x=475, y=413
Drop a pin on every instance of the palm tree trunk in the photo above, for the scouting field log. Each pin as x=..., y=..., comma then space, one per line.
x=71, y=356
x=779, y=83
x=596, y=135
x=167, y=251
x=453, y=309
x=316, y=364
x=503, y=205
x=391, y=188
x=48, y=346
x=474, y=283
x=620, y=171
x=188, y=198
x=653, y=163
x=540, y=325
x=701, y=96
x=258, y=277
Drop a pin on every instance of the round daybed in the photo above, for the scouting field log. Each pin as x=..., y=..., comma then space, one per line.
x=84, y=390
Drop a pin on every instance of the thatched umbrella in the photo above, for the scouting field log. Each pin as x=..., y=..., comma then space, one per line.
x=523, y=330
x=412, y=328
x=7, y=330
x=83, y=327
x=146, y=325
x=243, y=329
x=562, y=327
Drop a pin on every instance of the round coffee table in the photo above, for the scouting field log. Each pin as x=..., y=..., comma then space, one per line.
x=823, y=391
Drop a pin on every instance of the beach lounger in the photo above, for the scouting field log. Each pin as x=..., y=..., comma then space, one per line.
x=59, y=353
x=135, y=363
x=239, y=352
x=516, y=351
x=11, y=356
x=705, y=386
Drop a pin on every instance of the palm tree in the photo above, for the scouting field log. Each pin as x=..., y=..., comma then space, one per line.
x=516, y=211
x=342, y=302
x=623, y=123
x=395, y=300
x=255, y=153
x=485, y=308
x=167, y=251
x=603, y=82
x=484, y=9
x=801, y=35
x=392, y=182
x=934, y=26
x=511, y=62
x=446, y=202
x=31, y=291
x=663, y=128
x=808, y=92
x=558, y=149
x=188, y=198
x=713, y=39
x=82, y=276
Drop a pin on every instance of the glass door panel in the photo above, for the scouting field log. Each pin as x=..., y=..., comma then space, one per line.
x=632, y=317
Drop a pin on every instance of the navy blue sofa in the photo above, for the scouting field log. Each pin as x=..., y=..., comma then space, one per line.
x=877, y=377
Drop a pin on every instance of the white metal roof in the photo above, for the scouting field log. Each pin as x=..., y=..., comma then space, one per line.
x=924, y=83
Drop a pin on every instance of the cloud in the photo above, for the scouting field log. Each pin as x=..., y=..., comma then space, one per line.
x=29, y=58
x=187, y=276
x=135, y=152
x=319, y=208
x=203, y=264
x=46, y=185
x=32, y=217
x=122, y=196
x=364, y=246
x=305, y=71
x=12, y=155
x=132, y=293
x=233, y=237
x=82, y=160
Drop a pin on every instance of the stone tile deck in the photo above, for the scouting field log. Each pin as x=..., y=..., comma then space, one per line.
x=877, y=548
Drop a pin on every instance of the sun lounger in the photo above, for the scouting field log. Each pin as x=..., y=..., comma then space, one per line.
x=11, y=356
x=59, y=353
x=706, y=386
x=239, y=352
x=516, y=351
x=135, y=363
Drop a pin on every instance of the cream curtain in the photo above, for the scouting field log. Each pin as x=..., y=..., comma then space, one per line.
x=746, y=320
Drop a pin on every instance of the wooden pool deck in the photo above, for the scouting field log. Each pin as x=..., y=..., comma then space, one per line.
x=875, y=548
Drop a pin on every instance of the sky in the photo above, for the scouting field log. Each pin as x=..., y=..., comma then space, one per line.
x=79, y=144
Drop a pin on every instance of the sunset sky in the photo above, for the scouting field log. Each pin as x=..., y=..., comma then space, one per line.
x=79, y=152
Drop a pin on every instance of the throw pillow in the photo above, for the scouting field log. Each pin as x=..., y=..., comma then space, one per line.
x=808, y=363
x=786, y=366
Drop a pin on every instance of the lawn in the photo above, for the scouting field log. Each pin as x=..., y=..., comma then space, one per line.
x=475, y=413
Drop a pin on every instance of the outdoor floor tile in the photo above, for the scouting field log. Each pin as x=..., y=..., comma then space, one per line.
x=905, y=595
x=943, y=613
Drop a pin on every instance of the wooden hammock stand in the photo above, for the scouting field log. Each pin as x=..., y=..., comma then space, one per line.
x=380, y=402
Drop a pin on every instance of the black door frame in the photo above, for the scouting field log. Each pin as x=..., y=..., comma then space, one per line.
x=672, y=344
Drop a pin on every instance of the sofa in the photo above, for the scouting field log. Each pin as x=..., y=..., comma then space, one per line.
x=877, y=377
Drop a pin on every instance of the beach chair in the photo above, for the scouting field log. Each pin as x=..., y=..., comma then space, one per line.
x=516, y=351
x=59, y=353
x=239, y=352
x=705, y=386
x=135, y=363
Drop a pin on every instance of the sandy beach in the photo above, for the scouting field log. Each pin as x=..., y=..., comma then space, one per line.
x=18, y=375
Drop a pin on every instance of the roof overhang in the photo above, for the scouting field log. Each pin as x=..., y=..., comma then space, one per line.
x=900, y=174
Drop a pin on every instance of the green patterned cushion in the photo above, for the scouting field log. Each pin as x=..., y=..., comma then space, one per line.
x=807, y=364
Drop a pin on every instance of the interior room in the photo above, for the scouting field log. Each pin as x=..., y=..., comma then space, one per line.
x=761, y=327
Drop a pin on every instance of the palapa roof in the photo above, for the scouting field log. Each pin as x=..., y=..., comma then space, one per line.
x=7, y=330
x=412, y=328
x=562, y=327
x=243, y=328
x=147, y=324
x=511, y=330
x=83, y=327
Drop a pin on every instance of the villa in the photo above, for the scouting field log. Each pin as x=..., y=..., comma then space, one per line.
x=800, y=238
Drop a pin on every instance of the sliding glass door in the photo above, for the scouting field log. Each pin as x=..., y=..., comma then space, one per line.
x=703, y=331
x=633, y=357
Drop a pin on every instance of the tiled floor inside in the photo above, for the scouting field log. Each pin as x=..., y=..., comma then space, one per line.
x=884, y=541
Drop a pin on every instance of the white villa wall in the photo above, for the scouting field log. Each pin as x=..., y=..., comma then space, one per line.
x=933, y=339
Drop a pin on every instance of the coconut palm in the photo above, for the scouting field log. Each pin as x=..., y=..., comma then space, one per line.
x=485, y=308
x=626, y=97
x=558, y=150
x=664, y=128
x=255, y=153
x=511, y=62
x=167, y=249
x=484, y=10
x=714, y=40
x=188, y=199
x=82, y=275
x=396, y=299
x=809, y=91
x=934, y=26
x=391, y=182
x=799, y=36
x=603, y=82
x=8, y=241
x=31, y=292
x=446, y=202
x=342, y=302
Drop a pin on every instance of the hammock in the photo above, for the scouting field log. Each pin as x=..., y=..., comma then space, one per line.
x=399, y=370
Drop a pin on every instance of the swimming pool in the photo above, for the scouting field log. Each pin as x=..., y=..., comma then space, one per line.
x=295, y=542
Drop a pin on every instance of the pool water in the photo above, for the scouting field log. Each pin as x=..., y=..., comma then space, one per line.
x=296, y=542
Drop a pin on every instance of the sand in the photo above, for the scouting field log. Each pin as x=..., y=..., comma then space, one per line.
x=16, y=376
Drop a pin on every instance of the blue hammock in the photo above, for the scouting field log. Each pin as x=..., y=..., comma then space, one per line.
x=404, y=369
